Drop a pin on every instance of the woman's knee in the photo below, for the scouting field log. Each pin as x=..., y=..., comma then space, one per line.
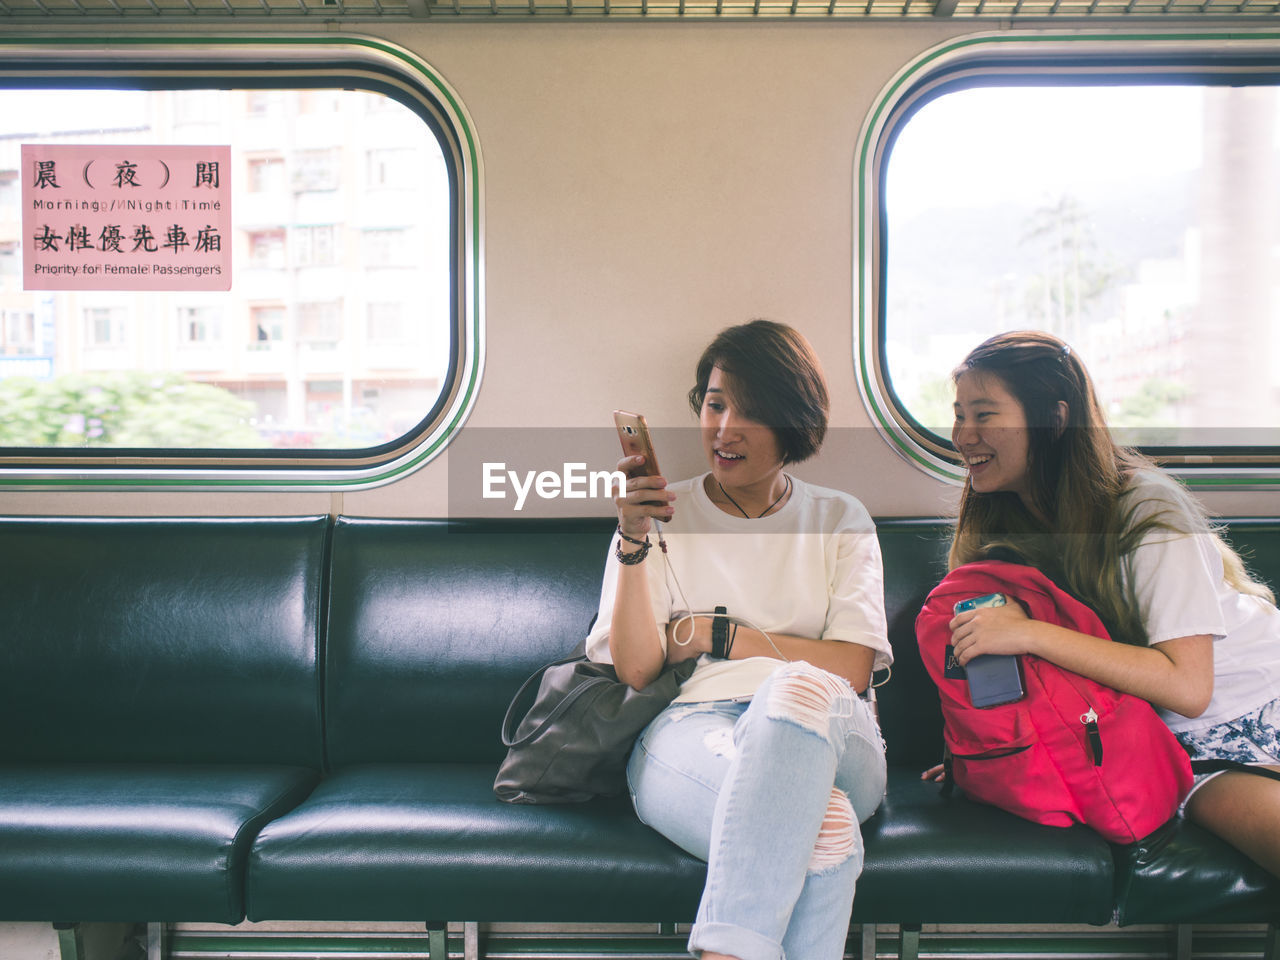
x=839, y=838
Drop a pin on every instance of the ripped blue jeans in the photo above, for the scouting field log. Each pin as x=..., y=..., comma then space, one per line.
x=771, y=793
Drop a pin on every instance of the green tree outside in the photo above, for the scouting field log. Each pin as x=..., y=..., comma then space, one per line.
x=132, y=409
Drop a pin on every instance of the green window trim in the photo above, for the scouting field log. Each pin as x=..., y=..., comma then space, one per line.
x=1008, y=54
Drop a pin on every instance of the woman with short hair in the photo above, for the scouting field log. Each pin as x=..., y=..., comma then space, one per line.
x=770, y=758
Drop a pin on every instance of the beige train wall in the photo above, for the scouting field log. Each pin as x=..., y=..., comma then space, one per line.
x=645, y=184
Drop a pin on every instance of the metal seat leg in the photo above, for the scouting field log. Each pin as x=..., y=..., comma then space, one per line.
x=70, y=941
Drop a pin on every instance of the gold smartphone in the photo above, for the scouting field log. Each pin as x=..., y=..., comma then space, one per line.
x=633, y=432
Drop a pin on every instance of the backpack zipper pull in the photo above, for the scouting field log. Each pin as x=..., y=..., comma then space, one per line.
x=1090, y=721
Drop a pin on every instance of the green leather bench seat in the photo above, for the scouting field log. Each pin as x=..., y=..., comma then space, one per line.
x=159, y=701
x=432, y=627
x=297, y=719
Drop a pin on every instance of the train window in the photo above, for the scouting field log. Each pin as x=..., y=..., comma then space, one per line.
x=341, y=348
x=1132, y=213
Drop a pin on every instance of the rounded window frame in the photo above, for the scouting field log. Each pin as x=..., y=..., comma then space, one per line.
x=988, y=59
x=278, y=61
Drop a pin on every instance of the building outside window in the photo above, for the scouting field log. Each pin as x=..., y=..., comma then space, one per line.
x=282, y=327
x=388, y=168
x=315, y=246
x=104, y=326
x=387, y=247
x=267, y=324
x=316, y=169
x=267, y=249
x=266, y=174
x=197, y=325
x=320, y=324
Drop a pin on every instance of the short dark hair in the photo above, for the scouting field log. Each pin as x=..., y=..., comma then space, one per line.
x=774, y=378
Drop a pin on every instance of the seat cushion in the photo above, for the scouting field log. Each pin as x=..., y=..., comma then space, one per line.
x=134, y=842
x=419, y=841
x=932, y=859
x=1184, y=874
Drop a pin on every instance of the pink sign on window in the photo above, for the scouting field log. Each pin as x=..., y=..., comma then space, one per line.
x=113, y=217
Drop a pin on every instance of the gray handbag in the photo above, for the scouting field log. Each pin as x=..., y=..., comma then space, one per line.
x=572, y=744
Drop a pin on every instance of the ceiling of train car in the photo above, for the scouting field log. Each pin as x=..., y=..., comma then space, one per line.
x=509, y=10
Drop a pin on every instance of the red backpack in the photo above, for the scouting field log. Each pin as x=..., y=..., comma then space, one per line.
x=1071, y=750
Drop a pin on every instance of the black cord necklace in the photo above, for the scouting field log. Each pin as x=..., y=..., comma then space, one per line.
x=785, y=491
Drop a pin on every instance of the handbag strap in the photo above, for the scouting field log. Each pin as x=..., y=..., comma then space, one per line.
x=1219, y=765
x=516, y=711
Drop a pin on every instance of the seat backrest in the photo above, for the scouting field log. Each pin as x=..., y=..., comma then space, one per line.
x=915, y=559
x=434, y=624
x=1258, y=541
x=161, y=640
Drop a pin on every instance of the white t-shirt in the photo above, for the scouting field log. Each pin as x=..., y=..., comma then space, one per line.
x=812, y=569
x=1181, y=591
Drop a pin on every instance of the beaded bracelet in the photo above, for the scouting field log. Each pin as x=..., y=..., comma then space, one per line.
x=636, y=556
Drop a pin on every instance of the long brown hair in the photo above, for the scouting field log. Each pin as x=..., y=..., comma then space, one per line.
x=1081, y=529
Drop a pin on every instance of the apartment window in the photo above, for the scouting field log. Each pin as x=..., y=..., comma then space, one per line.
x=388, y=168
x=199, y=325
x=320, y=324
x=293, y=208
x=104, y=326
x=20, y=333
x=315, y=246
x=1137, y=216
x=316, y=169
x=10, y=264
x=266, y=324
x=266, y=249
x=266, y=175
x=265, y=103
x=391, y=247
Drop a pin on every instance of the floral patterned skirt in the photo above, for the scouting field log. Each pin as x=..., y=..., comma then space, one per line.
x=1253, y=738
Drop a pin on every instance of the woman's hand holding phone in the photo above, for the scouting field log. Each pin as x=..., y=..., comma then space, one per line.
x=989, y=630
x=647, y=498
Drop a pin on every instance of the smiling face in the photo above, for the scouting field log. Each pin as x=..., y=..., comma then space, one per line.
x=991, y=434
x=744, y=454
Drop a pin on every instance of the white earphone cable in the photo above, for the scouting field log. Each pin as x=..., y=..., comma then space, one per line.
x=675, y=630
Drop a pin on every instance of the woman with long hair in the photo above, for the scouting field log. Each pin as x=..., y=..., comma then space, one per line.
x=769, y=759
x=1200, y=639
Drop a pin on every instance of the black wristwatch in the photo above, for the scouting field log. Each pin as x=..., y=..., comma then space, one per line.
x=720, y=634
